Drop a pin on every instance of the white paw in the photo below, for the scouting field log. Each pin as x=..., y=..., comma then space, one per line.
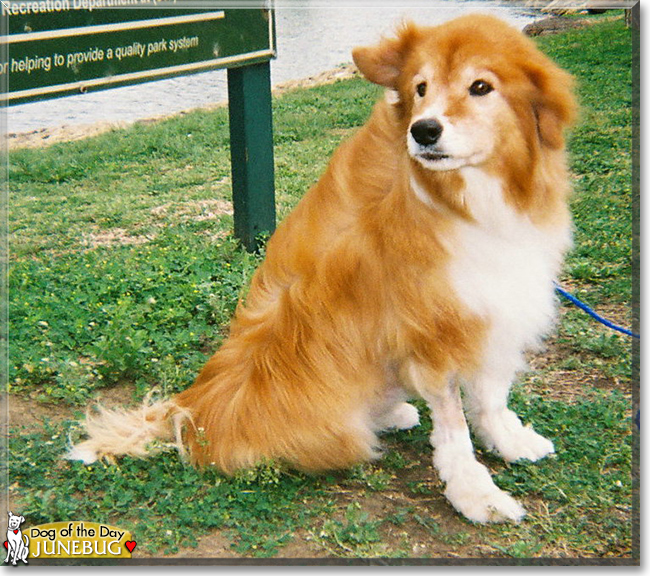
x=512, y=440
x=495, y=506
x=482, y=501
x=403, y=417
x=526, y=445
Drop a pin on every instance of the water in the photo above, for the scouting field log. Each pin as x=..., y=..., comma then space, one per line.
x=311, y=38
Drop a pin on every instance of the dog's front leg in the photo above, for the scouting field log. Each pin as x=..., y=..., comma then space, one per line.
x=12, y=553
x=498, y=427
x=469, y=486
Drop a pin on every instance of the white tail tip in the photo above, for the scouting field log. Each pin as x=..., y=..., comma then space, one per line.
x=138, y=432
x=85, y=455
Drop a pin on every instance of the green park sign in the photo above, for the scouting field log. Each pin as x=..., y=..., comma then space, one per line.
x=52, y=48
x=59, y=47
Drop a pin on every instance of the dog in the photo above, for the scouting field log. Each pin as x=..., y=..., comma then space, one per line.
x=17, y=548
x=421, y=264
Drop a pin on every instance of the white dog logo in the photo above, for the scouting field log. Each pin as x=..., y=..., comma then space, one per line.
x=17, y=549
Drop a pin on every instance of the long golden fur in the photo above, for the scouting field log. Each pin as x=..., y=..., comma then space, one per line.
x=355, y=307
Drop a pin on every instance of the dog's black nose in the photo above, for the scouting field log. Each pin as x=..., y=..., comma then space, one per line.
x=426, y=132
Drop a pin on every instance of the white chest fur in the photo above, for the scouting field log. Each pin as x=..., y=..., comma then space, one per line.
x=503, y=266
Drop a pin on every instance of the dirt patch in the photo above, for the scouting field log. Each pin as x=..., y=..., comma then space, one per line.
x=547, y=378
x=30, y=413
x=65, y=133
x=198, y=210
x=213, y=545
x=113, y=237
x=217, y=545
x=569, y=386
x=619, y=314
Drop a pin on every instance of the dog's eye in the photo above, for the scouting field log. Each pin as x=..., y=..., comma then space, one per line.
x=480, y=88
x=421, y=89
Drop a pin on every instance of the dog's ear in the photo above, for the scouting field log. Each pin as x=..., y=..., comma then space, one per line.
x=554, y=104
x=22, y=519
x=382, y=64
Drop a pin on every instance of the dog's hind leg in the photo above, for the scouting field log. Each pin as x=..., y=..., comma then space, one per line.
x=498, y=427
x=469, y=487
x=402, y=416
x=25, y=549
x=393, y=412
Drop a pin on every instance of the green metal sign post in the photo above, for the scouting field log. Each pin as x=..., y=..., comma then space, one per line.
x=51, y=48
x=251, y=138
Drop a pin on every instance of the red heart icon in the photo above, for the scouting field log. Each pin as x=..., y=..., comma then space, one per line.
x=130, y=544
x=15, y=531
x=6, y=545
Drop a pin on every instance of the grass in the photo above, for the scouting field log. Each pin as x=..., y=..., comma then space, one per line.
x=124, y=270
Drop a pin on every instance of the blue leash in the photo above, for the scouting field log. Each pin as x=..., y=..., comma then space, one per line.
x=593, y=314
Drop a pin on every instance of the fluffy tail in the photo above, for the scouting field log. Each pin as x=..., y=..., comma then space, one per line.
x=140, y=432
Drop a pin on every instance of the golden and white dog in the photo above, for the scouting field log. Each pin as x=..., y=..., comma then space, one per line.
x=421, y=264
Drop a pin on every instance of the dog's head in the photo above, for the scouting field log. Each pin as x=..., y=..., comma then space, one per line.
x=14, y=521
x=466, y=89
